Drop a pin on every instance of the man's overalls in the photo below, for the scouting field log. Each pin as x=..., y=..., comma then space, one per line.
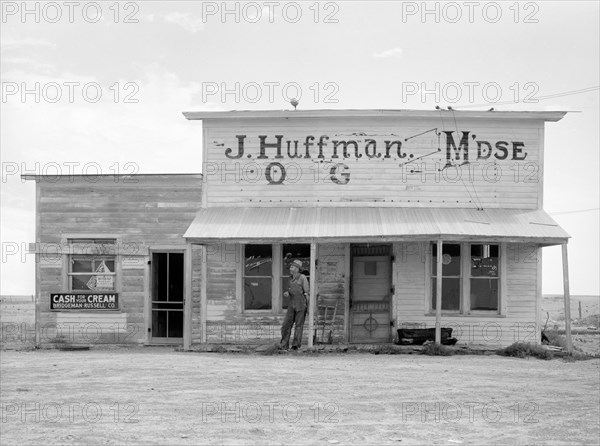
x=296, y=312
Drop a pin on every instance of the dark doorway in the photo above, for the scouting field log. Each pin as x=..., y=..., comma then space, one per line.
x=167, y=297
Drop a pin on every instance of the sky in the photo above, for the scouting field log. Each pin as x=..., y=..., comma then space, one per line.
x=99, y=87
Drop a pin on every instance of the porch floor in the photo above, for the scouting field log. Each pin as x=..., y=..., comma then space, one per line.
x=388, y=348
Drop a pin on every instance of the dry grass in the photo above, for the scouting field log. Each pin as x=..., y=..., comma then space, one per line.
x=437, y=350
x=526, y=350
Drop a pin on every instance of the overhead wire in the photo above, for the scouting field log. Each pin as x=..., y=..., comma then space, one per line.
x=477, y=205
x=578, y=211
x=550, y=96
x=476, y=199
x=539, y=98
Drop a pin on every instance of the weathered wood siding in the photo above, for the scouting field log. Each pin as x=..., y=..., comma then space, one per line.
x=376, y=168
x=333, y=290
x=228, y=323
x=518, y=321
x=143, y=212
x=196, y=293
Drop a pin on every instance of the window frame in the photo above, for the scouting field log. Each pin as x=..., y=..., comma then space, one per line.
x=72, y=254
x=244, y=277
x=465, y=281
x=459, y=277
x=66, y=249
x=276, y=279
x=470, y=277
x=282, y=276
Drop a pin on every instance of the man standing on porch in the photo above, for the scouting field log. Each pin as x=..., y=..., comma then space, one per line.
x=298, y=293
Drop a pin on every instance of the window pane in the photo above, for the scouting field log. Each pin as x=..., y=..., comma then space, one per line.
x=450, y=294
x=484, y=260
x=257, y=293
x=290, y=252
x=484, y=250
x=175, y=319
x=484, y=294
x=82, y=266
x=258, y=260
x=103, y=266
x=159, y=276
x=92, y=282
x=91, y=264
x=175, y=278
x=370, y=268
x=159, y=324
x=295, y=252
x=104, y=248
x=450, y=260
x=79, y=283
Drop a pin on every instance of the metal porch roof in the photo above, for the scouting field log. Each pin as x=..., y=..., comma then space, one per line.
x=371, y=224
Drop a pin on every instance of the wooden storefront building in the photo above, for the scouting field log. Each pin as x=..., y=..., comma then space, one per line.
x=401, y=219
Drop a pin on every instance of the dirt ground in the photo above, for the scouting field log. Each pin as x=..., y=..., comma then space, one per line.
x=159, y=396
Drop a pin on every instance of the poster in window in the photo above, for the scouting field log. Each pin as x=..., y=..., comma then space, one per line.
x=101, y=282
x=484, y=267
x=106, y=282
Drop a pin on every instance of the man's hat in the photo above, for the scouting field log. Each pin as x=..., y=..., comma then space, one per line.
x=297, y=264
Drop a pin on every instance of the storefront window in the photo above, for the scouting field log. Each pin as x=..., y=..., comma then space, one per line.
x=484, y=277
x=92, y=265
x=258, y=277
x=451, y=275
x=267, y=274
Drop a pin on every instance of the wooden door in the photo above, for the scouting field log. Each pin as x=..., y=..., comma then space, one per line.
x=370, y=299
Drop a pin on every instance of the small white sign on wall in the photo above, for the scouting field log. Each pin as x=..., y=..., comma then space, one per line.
x=133, y=262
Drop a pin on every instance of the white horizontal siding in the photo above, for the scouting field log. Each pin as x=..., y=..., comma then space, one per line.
x=518, y=324
x=388, y=181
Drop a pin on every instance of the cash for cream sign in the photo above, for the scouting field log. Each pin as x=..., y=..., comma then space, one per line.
x=65, y=301
x=273, y=154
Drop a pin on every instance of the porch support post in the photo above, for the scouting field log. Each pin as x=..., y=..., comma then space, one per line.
x=187, y=305
x=312, y=302
x=203, y=298
x=438, y=294
x=565, y=263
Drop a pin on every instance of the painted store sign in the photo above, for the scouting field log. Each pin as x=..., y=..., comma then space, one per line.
x=454, y=151
x=65, y=301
